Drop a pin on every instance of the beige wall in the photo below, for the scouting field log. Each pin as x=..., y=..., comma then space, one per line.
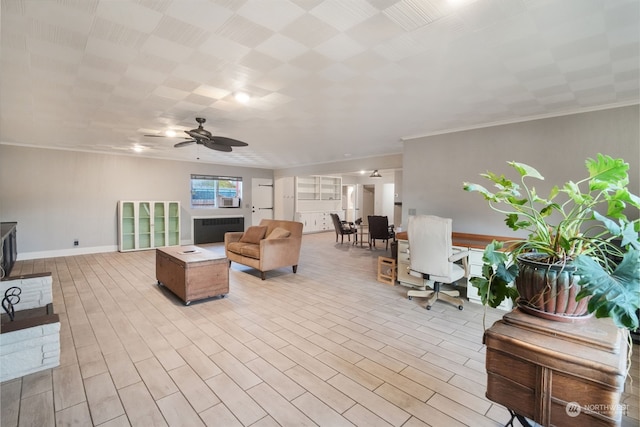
x=435, y=167
x=57, y=196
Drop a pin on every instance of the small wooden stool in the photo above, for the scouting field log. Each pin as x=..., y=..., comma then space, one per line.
x=387, y=270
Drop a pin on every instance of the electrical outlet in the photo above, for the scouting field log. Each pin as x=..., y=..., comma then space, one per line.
x=76, y=242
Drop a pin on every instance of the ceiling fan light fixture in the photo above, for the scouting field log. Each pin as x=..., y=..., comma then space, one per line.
x=375, y=174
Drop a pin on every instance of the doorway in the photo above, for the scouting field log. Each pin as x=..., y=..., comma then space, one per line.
x=261, y=200
x=349, y=202
x=368, y=201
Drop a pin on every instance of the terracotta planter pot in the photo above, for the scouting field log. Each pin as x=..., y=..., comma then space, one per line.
x=549, y=291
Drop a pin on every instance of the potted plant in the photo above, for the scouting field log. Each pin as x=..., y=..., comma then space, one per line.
x=581, y=248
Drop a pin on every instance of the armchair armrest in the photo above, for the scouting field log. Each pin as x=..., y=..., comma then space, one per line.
x=276, y=253
x=464, y=256
x=347, y=225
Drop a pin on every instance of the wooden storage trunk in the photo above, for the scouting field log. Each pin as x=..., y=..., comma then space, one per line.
x=554, y=373
x=192, y=273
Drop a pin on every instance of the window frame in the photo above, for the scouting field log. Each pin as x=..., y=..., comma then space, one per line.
x=211, y=201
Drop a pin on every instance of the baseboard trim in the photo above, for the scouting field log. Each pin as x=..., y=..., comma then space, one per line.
x=23, y=256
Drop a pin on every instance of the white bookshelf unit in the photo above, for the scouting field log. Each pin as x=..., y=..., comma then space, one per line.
x=148, y=224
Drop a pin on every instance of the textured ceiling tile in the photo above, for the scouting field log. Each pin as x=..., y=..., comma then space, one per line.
x=279, y=14
x=576, y=29
x=399, y=48
x=388, y=73
x=375, y=30
x=180, y=32
x=413, y=14
x=170, y=93
x=365, y=61
x=155, y=63
x=221, y=47
x=281, y=47
x=344, y=14
x=56, y=34
x=533, y=60
x=57, y=51
x=259, y=61
x=212, y=92
x=440, y=33
x=244, y=31
x=479, y=14
x=311, y=61
x=339, y=48
x=181, y=84
x=596, y=83
x=165, y=49
x=309, y=30
x=130, y=15
x=594, y=59
x=337, y=73
x=288, y=73
x=203, y=14
x=553, y=81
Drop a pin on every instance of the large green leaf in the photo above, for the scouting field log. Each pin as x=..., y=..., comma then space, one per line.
x=607, y=169
x=526, y=170
x=616, y=295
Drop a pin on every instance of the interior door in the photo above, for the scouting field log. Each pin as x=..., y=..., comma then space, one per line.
x=261, y=199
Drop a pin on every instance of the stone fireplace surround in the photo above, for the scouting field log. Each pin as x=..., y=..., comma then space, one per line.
x=31, y=342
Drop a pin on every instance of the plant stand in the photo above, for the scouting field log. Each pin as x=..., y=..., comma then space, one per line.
x=555, y=373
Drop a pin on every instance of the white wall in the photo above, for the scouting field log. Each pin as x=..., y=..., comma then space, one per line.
x=435, y=167
x=57, y=196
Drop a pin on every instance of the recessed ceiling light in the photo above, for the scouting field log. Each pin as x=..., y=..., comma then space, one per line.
x=137, y=148
x=170, y=132
x=242, y=97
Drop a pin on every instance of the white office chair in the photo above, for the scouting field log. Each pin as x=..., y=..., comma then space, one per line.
x=432, y=257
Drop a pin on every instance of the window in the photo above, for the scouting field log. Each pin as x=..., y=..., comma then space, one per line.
x=210, y=191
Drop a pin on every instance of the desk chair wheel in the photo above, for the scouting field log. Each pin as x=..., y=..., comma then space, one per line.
x=410, y=298
x=460, y=307
x=428, y=307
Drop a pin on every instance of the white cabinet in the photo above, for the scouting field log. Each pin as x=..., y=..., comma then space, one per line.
x=148, y=224
x=403, y=267
x=475, y=270
x=319, y=188
x=314, y=222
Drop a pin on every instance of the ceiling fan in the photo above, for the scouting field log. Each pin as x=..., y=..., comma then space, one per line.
x=203, y=137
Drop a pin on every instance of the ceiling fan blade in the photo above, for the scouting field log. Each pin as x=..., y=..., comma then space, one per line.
x=183, y=143
x=217, y=147
x=157, y=136
x=228, y=141
x=198, y=133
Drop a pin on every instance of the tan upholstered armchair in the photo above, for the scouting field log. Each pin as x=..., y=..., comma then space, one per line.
x=270, y=245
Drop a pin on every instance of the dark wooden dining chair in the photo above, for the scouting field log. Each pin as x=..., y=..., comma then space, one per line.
x=343, y=228
x=380, y=229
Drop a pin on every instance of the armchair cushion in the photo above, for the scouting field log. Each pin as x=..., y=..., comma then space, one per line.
x=254, y=234
x=278, y=233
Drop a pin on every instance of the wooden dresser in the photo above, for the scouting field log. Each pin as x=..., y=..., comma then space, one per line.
x=554, y=373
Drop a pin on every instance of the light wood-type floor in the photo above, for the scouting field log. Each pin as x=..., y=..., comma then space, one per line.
x=328, y=346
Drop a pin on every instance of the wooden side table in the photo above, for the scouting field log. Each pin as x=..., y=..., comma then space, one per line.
x=387, y=270
x=192, y=273
x=554, y=373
